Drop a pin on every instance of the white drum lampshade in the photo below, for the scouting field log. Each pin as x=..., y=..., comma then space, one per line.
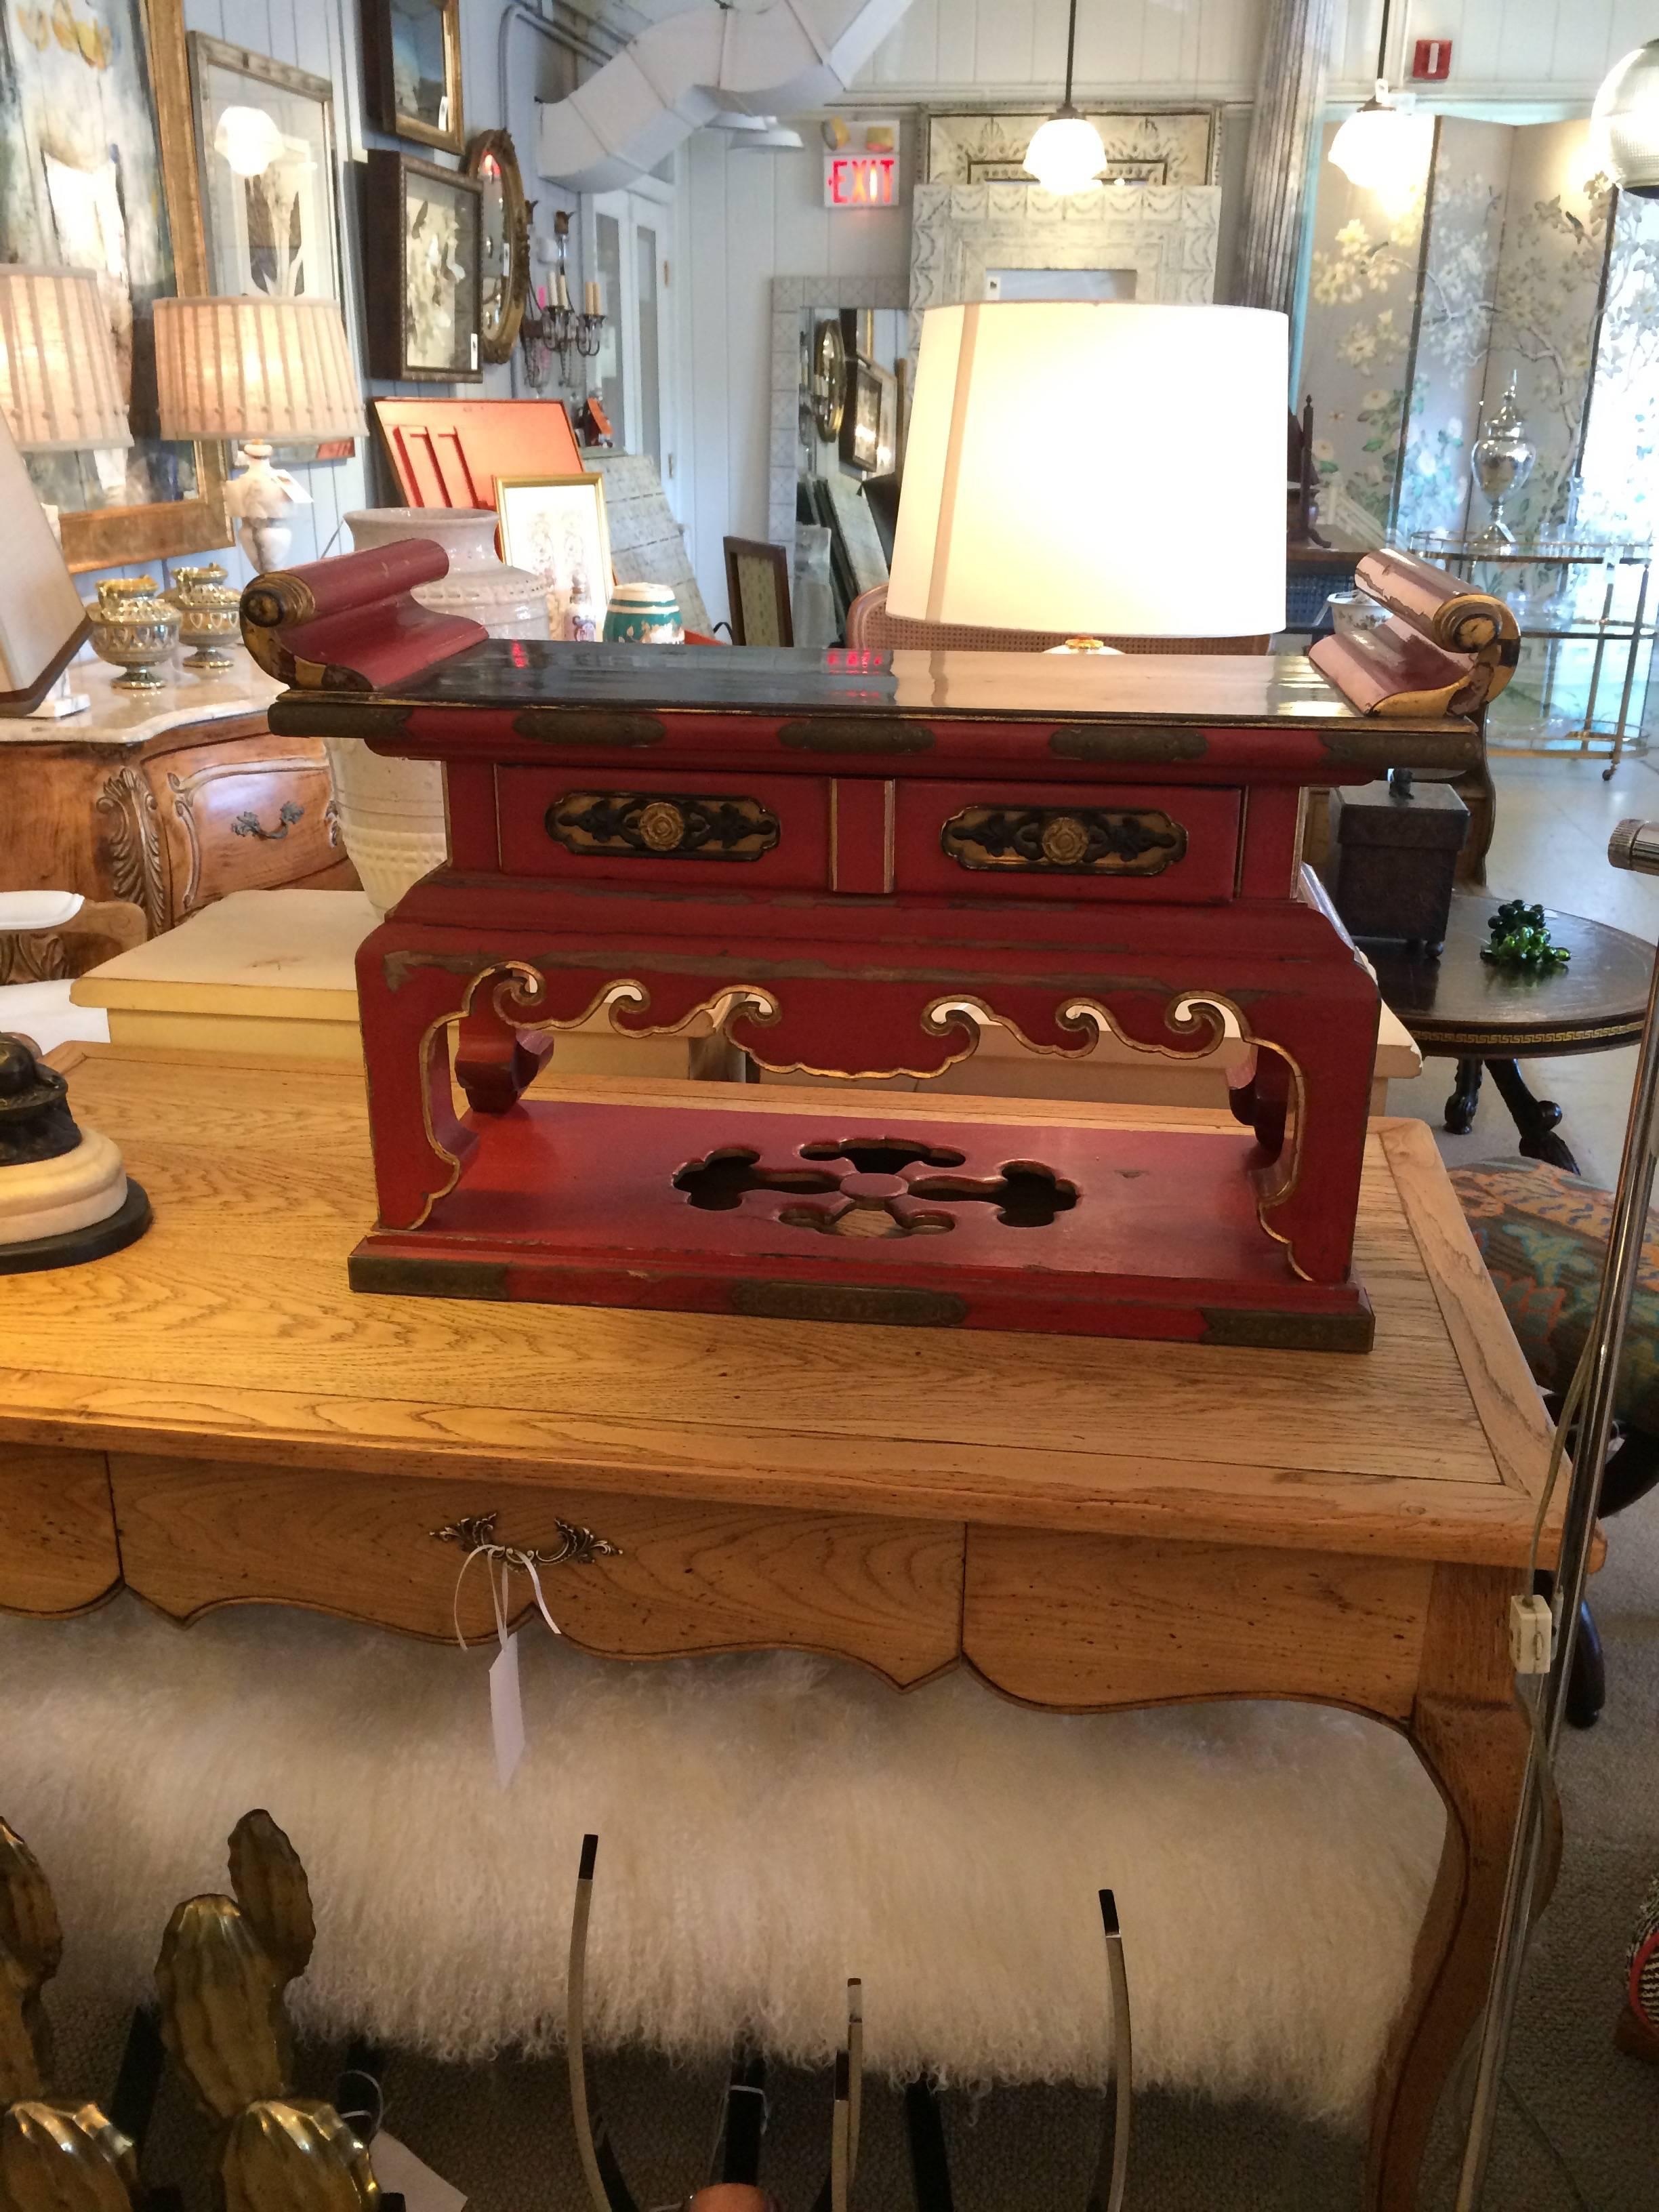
x=60, y=388
x=1098, y=468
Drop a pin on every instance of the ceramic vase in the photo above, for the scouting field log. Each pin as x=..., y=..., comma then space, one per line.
x=392, y=811
x=643, y=614
x=508, y=602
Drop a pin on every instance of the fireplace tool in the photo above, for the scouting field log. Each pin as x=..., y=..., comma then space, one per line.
x=743, y=2124
x=1633, y=845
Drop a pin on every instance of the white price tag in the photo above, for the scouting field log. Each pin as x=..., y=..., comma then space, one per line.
x=397, y=2167
x=507, y=1710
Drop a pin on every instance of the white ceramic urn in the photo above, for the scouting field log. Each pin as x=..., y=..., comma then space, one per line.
x=392, y=811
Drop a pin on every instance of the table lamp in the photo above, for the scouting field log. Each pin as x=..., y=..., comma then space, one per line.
x=1102, y=469
x=256, y=369
x=42, y=621
x=60, y=385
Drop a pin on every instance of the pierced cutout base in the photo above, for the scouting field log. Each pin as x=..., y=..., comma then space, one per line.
x=793, y=1214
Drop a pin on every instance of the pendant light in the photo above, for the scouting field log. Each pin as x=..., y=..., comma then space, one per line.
x=1625, y=122
x=1377, y=140
x=1067, y=152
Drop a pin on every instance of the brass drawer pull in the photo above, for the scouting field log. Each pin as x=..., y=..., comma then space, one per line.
x=247, y=825
x=577, y=1547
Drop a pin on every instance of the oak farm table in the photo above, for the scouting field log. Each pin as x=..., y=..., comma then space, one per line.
x=211, y=1416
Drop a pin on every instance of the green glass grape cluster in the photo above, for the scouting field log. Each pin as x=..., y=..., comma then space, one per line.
x=1520, y=941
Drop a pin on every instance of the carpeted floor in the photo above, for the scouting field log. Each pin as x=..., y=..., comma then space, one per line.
x=1581, y=2122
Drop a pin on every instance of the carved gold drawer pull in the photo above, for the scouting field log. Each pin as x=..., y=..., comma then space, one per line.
x=577, y=1547
x=660, y=826
x=1067, y=841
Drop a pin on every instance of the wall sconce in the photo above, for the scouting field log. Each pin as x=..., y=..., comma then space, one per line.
x=552, y=324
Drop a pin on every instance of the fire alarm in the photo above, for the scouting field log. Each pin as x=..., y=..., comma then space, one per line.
x=1432, y=60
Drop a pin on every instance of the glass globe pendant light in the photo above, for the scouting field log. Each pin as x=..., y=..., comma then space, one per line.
x=1375, y=141
x=1625, y=122
x=1067, y=152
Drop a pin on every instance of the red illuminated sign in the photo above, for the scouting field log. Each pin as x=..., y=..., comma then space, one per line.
x=860, y=180
x=1432, y=60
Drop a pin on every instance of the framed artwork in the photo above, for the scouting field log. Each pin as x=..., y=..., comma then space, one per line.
x=264, y=149
x=887, y=428
x=860, y=422
x=412, y=58
x=757, y=592
x=95, y=117
x=424, y=233
x=555, y=528
x=504, y=281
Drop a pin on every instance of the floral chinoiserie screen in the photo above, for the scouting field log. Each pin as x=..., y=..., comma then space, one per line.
x=94, y=110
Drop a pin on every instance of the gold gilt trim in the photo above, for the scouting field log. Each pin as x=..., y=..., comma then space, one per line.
x=1186, y=1013
x=1516, y=1043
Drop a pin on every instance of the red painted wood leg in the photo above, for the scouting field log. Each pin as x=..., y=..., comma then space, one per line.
x=1331, y=1036
x=417, y=1136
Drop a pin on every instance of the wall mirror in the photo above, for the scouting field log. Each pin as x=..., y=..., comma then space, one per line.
x=815, y=321
x=504, y=266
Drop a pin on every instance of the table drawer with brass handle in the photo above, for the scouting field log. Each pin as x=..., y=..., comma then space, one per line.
x=1068, y=841
x=634, y=1578
x=687, y=831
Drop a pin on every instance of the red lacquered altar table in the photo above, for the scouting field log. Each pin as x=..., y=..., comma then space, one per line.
x=843, y=862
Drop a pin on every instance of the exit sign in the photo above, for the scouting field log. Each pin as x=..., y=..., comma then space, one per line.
x=860, y=169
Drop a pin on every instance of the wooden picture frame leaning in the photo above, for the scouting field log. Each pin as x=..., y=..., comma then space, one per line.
x=158, y=530
x=446, y=127
x=757, y=592
x=394, y=317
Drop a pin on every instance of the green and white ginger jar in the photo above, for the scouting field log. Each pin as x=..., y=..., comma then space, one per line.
x=643, y=614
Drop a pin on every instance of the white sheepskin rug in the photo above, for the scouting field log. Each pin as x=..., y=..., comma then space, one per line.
x=767, y=1826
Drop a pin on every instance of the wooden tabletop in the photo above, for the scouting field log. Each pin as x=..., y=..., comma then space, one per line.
x=1465, y=1005
x=229, y=1328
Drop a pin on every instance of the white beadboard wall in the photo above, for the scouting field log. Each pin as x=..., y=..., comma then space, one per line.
x=1514, y=51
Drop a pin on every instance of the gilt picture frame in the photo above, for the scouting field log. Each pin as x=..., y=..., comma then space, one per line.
x=412, y=62
x=275, y=231
x=423, y=261
x=105, y=177
x=555, y=526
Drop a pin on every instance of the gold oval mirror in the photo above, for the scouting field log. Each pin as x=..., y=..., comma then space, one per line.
x=504, y=283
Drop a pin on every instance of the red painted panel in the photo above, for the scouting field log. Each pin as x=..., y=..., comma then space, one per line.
x=1204, y=875
x=863, y=831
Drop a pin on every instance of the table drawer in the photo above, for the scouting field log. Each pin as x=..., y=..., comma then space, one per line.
x=686, y=1578
x=58, y=1550
x=745, y=832
x=1067, y=841
x=251, y=814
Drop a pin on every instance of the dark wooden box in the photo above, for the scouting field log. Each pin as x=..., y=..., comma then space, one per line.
x=1392, y=859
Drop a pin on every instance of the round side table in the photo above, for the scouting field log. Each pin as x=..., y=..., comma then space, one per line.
x=1462, y=1007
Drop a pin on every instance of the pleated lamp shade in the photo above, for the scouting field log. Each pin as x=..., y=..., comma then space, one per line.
x=60, y=389
x=255, y=368
x=1107, y=470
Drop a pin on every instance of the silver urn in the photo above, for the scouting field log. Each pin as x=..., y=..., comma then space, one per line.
x=1501, y=462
